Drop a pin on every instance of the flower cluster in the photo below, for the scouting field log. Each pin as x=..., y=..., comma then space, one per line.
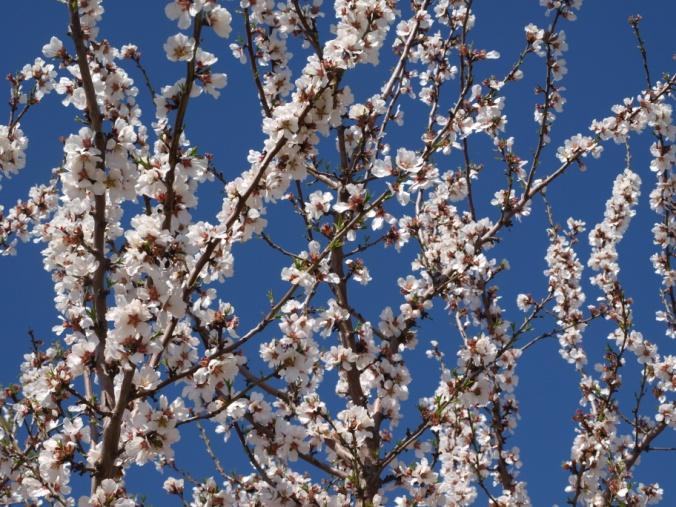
x=565, y=275
x=315, y=390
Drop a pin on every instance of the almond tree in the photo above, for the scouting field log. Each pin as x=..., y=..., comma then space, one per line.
x=150, y=339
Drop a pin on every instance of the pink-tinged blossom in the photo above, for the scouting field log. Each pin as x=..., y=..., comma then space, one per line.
x=219, y=18
x=54, y=48
x=13, y=145
x=318, y=205
x=179, y=47
x=183, y=11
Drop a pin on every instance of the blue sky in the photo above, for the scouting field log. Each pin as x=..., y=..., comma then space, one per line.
x=604, y=67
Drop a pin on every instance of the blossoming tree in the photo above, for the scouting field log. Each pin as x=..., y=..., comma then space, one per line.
x=312, y=395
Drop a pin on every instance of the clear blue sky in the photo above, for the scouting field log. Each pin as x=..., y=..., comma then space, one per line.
x=604, y=66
